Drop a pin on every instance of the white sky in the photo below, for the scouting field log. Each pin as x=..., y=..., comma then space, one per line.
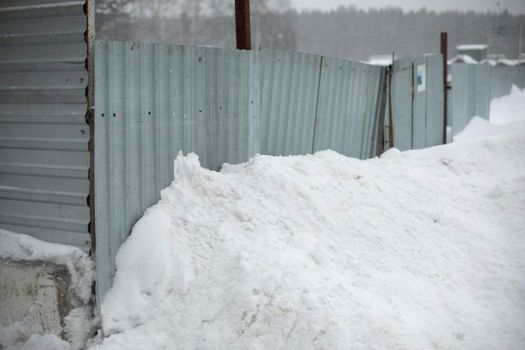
x=514, y=6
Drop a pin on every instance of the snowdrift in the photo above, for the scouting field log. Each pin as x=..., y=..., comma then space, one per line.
x=508, y=109
x=507, y=116
x=417, y=250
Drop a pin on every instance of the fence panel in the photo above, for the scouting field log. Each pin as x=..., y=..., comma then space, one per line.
x=435, y=104
x=419, y=86
x=470, y=94
x=350, y=97
x=289, y=90
x=401, y=90
x=503, y=77
x=44, y=158
x=150, y=102
x=417, y=102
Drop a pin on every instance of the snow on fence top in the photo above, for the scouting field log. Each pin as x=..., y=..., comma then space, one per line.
x=471, y=47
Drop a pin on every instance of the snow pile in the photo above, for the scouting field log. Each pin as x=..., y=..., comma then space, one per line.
x=508, y=109
x=507, y=116
x=479, y=128
x=416, y=250
x=35, y=341
x=79, y=323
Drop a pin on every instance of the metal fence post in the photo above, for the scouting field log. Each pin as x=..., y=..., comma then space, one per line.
x=444, y=54
x=242, y=24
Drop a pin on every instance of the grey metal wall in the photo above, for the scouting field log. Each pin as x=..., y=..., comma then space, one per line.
x=503, y=77
x=434, y=101
x=225, y=105
x=150, y=102
x=401, y=99
x=311, y=103
x=44, y=157
x=349, y=107
x=470, y=94
x=289, y=95
x=417, y=115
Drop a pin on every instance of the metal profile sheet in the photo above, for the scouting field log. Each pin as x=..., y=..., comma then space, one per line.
x=470, y=94
x=401, y=95
x=419, y=115
x=434, y=101
x=44, y=158
x=503, y=77
x=417, y=102
x=151, y=101
x=348, y=107
x=289, y=87
x=482, y=91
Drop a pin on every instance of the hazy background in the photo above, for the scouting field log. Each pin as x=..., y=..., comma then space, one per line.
x=514, y=6
x=356, y=30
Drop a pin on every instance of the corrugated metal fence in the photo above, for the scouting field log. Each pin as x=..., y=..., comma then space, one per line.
x=503, y=77
x=288, y=104
x=153, y=100
x=44, y=156
x=311, y=103
x=417, y=102
x=475, y=85
x=349, y=108
x=470, y=94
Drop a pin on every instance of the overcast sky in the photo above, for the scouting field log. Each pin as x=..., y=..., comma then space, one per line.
x=514, y=6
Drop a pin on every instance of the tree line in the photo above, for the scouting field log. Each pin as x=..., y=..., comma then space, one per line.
x=345, y=32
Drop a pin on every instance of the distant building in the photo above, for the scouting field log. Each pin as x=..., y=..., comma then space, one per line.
x=476, y=51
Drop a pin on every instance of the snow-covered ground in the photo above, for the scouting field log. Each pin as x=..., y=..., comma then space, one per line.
x=416, y=250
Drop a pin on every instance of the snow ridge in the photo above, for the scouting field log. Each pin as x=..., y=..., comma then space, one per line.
x=415, y=250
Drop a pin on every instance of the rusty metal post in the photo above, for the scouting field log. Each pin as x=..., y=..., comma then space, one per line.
x=444, y=54
x=242, y=24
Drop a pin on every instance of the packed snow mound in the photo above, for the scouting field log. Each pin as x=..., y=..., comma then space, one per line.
x=417, y=250
x=508, y=109
x=479, y=128
x=507, y=116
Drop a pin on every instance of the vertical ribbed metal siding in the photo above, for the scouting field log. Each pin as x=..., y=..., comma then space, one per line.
x=349, y=104
x=470, y=95
x=434, y=101
x=503, y=77
x=417, y=116
x=401, y=91
x=44, y=157
x=153, y=100
x=289, y=88
x=150, y=102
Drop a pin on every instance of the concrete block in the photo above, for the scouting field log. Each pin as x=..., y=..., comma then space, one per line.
x=34, y=294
